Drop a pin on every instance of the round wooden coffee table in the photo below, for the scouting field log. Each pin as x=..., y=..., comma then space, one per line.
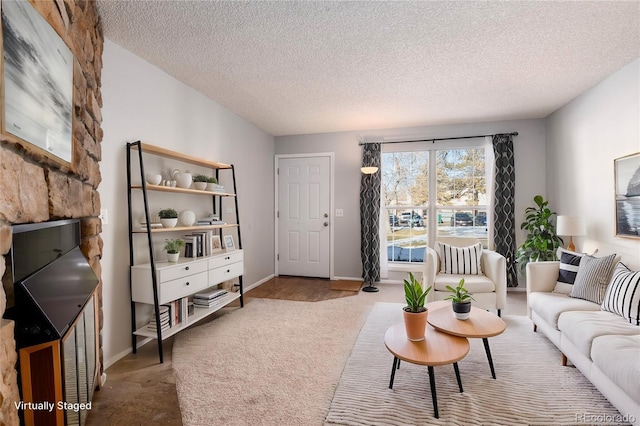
x=481, y=324
x=437, y=349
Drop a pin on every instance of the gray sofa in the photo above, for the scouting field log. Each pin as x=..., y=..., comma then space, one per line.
x=604, y=346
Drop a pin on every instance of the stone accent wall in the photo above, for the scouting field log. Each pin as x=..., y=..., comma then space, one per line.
x=35, y=188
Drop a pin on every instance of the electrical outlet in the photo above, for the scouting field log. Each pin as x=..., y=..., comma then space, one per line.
x=104, y=216
x=339, y=213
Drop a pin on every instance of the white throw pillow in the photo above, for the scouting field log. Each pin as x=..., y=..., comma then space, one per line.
x=592, y=278
x=623, y=294
x=460, y=260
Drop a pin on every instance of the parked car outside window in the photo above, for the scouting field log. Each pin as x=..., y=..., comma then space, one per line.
x=461, y=219
x=393, y=220
x=411, y=218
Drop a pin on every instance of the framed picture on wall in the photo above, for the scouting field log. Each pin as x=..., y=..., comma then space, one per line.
x=37, y=76
x=627, y=190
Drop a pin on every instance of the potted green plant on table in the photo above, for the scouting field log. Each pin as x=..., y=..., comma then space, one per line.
x=542, y=242
x=200, y=181
x=460, y=300
x=415, y=313
x=172, y=248
x=168, y=218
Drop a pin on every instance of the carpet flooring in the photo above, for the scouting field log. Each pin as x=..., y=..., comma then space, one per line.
x=278, y=362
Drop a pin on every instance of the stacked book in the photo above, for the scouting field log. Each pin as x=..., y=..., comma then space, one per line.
x=208, y=299
x=209, y=221
x=165, y=320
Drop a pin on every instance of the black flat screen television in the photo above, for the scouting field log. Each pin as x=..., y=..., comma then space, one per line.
x=52, y=280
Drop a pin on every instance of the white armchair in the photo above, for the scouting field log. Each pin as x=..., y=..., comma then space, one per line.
x=488, y=289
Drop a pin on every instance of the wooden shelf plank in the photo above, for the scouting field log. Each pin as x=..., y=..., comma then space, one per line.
x=182, y=190
x=166, y=153
x=185, y=228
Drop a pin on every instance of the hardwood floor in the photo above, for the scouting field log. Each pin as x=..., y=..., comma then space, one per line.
x=304, y=289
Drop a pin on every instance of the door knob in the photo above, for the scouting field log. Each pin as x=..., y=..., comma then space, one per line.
x=326, y=224
x=326, y=215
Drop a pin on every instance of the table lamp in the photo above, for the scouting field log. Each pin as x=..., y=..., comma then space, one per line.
x=570, y=226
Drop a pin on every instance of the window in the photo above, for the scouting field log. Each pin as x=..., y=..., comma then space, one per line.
x=432, y=194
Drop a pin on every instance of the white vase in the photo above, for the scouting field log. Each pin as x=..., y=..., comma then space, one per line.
x=173, y=257
x=169, y=223
x=183, y=179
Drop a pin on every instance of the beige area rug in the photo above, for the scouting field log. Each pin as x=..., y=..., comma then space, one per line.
x=273, y=362
x=532, y=388
x=279, y=362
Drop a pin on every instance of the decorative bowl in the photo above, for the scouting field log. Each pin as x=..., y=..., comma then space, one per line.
x=153, y=179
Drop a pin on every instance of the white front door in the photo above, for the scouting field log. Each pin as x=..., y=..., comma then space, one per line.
x=304, y=186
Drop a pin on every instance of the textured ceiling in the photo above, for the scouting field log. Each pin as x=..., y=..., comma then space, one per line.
x=300, y=67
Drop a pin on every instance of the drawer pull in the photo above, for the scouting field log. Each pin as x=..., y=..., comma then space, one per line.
x=186, y=268
x=187, y=282
x=227, y=258
x=228, y=270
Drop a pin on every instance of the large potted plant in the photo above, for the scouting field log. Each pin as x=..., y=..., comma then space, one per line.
x=415, y=313
x=172, y=248
x=460, y=300
x=542, y=242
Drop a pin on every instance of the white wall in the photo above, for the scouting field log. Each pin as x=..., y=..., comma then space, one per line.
x=583, y=139
x=140, y=102
x=529, y=163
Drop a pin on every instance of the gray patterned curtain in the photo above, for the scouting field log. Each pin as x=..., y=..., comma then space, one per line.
x=370, y=215
x=504, y=217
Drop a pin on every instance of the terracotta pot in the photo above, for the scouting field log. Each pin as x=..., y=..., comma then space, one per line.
x=415, y=325
x=461, y=310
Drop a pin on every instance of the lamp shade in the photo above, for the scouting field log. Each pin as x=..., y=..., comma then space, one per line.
x=571, y=226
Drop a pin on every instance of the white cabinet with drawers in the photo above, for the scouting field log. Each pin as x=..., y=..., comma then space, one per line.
x=184, y=279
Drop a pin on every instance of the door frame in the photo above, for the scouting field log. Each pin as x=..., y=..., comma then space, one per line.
x=331, y=157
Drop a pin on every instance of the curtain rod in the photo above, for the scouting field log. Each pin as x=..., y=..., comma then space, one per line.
x=433, y=140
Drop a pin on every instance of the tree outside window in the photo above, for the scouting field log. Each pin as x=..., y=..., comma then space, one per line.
x=458, y=208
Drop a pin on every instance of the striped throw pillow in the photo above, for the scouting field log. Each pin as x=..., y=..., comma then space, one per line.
x=623, y=294
x=592, y=278
x=460, y=260
x=569, y=262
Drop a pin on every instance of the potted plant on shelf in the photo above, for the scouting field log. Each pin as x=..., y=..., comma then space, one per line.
x=173, y=249
x=211, y=184
x=168, y=218
x=542, y=242
x=200, y=181
x=415, y=313
x=460, y=300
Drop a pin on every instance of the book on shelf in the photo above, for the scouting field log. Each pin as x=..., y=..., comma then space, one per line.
x=201, y=303
x=210, y=222
x=209, y=295
x=190, y=246
x=204, y=242
x=154, y=225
